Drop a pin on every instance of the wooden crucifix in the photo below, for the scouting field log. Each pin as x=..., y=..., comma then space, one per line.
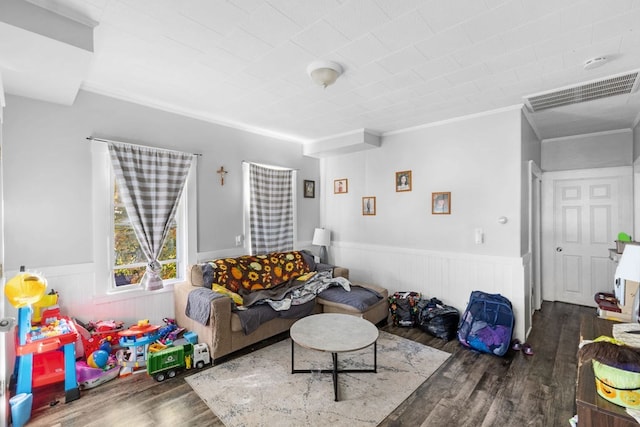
x=222, y=173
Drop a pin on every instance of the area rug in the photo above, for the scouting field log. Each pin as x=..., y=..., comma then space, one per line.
x=258, y=389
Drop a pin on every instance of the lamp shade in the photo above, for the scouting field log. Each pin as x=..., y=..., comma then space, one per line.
x=321, y=237
x=628, y=269
x=629, y=264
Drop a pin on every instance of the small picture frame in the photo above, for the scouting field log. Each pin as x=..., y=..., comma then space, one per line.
x=403, y=181
x=441, y=203
x=309, y=189
x=341, y=186
x=368, y=205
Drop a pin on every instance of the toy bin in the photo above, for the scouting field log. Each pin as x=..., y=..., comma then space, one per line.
x=48, y=368
x=617, y=385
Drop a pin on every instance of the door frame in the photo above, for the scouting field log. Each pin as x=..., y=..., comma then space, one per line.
x=4, y=337
x=535, y=213
x=625, y=173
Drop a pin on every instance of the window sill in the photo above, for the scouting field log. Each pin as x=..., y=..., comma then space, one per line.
x=122, y=295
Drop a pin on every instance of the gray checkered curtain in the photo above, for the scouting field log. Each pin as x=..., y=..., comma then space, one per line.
x=270, y=209
x=150, y=183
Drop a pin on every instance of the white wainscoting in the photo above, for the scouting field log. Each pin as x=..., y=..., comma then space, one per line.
x=80, y=296
x=450, y=277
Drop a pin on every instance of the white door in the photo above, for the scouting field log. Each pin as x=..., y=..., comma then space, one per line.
x=588, y=210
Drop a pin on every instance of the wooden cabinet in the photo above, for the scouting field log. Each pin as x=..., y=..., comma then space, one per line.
x=593, y=410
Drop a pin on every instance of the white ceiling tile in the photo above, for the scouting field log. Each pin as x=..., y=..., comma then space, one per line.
x=480, y=52
x=280, y=88
x=249, y=6
x=614, y=26
x=132, y=22
x=402, y=60
x=444, y=43
x=495, y=21
x=268, y=24
x=565, y=42
x=245, y=45
x=223, y=61
x=150, y=7
x=599, y=10
x=534, y=70
x=281, y=60
x=499, y=79
x=347, y=98
x=357, y=17
x=363, y=50
x=511, y=60
x=320, y=38
x=299, y=78
x=467, y=74
x=630, y=42
x=437, y=67
x=383, y=98
x=371, y=91
x=540, y=8
x=545, y=28
x=305, y=13
x=366, y=75
x=218, y=15
x=394, y=8
x=430, y=87
x=402, y=31
x=441, y=15
x=402, y=80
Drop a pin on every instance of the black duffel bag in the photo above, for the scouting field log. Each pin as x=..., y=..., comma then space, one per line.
x=439, y=320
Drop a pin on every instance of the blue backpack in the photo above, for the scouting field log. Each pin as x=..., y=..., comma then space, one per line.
x=487, y=323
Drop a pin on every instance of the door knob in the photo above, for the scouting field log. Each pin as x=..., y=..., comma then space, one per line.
x=558, y=249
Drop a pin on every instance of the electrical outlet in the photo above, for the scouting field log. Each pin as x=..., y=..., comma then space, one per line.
x=479, y=236
x=239, y=240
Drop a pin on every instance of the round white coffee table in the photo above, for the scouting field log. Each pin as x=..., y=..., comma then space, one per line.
x=334, y=333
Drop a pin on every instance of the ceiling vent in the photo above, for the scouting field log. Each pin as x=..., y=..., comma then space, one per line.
x=595, y=89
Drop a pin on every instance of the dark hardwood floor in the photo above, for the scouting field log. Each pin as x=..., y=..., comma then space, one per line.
x=470, y=389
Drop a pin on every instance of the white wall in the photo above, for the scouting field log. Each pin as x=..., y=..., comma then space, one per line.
x=596, y=150
x=405, y=247
x=477, y=160
x=48, y=190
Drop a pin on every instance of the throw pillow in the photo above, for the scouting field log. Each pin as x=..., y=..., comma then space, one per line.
x=222, y=290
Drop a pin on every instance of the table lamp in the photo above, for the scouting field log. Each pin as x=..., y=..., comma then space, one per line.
x=322, y=238
x=628, y=269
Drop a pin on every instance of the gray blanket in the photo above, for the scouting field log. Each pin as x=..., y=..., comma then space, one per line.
x=294, y=292
x=199, y=304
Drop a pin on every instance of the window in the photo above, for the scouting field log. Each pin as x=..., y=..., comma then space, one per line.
x=129, y=263
x=109, y=215
x=270, y=221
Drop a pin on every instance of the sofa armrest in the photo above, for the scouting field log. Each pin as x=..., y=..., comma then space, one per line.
x=379, y=289
x=217, y=334
x=341, y=272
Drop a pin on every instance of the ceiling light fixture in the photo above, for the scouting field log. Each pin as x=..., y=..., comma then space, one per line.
x=324, y=73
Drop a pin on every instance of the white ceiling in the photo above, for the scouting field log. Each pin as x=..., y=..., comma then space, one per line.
x=407, y=62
